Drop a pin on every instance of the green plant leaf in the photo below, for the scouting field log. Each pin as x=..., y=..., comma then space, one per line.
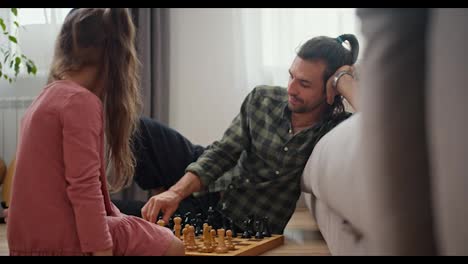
x=17, y=65
x=31, y=67
x=6, y=57
x=9, y=60
x=12, y=39
x=2, y=24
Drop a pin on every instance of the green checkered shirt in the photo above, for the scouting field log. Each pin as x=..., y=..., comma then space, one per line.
x=259, y=161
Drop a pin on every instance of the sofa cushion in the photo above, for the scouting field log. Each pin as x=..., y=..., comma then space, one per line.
x=331, y=173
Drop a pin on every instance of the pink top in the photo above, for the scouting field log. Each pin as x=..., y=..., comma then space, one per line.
x=60, y=204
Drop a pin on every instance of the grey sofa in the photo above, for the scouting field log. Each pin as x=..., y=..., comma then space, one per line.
x=332, y=185
x=393, y=179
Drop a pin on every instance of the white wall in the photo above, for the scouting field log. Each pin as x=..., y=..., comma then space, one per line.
x=206, y=90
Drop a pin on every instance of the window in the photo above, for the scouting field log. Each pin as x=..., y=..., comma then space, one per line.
x=37, y=33
x=271, y=37
x=41, y=16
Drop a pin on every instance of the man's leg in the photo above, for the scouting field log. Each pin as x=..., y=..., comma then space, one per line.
x=162, y=154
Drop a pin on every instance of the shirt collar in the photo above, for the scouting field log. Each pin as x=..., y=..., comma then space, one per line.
x=286, y=114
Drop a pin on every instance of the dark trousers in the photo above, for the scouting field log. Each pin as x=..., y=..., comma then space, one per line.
x=162, y=154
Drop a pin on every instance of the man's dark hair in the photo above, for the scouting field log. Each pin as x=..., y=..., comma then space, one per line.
x=332, y=52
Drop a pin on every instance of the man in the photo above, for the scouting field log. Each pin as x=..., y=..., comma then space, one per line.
x=255, y=169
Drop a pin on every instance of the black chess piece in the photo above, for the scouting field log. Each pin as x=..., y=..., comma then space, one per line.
x=193, y=222
x=225, y=223
x=211, y=217
x=266, y=227
x=232, y=227
x=258, y=229
x=224, y=217
x=171, y=224
x=198, y=224
x=250, y=225
x=187, y=218
x=246, y=233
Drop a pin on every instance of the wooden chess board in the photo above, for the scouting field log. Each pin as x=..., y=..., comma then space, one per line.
x=244, y=246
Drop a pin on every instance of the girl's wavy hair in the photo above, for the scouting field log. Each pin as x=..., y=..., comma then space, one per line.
x=332, y=52
x=105, y=37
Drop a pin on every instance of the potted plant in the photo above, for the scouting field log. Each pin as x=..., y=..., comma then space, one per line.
x=12, y=60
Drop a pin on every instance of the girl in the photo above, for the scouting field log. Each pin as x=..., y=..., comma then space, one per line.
x=80, y=124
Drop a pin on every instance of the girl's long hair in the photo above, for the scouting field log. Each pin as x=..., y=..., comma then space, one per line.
x=105, y=37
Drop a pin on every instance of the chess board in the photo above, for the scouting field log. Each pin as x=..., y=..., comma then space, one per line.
x=244, y=246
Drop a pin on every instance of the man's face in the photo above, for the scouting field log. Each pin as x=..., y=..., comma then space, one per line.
x=305, y=86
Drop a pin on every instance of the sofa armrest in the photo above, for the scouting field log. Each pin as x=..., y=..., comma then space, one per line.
x=331, y=173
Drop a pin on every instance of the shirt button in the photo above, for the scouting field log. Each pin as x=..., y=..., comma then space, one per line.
x=277, y=172
x=247, y=181
x=290, y=131
x=231, y=186
x=285, y=148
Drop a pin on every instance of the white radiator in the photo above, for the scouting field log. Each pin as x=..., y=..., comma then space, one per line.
x=11, y=112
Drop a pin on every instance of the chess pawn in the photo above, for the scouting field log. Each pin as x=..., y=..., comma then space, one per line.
x=213, y=238
x=229, y=244
x=206, y=248
x=191, y=244
x=246, y=233
x=258, y=234
x=266, y=227
x=202, y=238
x=177, y=226
x=221, y=248
x=185, y=236
x=161, y=222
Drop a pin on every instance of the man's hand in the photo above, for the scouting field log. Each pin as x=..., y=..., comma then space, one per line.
x=333, y=91
x=167, y=202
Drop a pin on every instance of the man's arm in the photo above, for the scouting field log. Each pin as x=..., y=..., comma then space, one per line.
x=219, y=158
x=168, y=201
x=347, y=86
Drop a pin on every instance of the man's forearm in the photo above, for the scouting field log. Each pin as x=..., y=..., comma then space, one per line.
x=187, y=185
x=347, y=87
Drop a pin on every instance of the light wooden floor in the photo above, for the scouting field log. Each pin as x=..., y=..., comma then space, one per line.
x=302, y=238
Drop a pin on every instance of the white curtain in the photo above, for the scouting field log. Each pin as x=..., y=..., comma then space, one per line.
x=269, y=38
